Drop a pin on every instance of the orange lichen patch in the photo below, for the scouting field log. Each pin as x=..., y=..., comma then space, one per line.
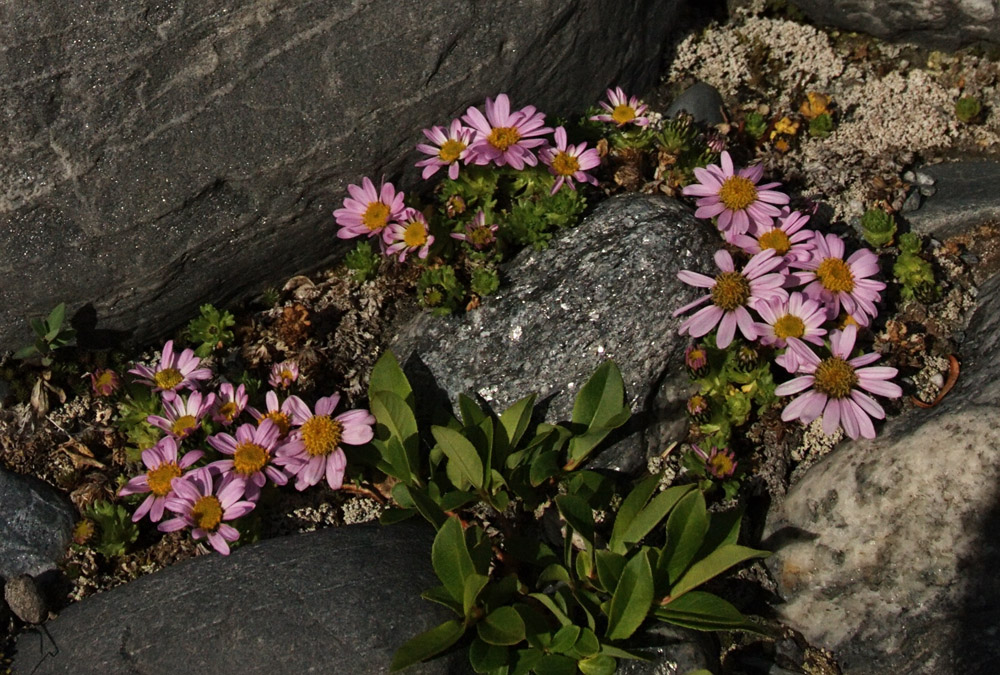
x=816, y=104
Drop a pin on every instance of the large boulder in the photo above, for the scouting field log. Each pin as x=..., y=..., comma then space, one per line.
x=604, y=290
x=36, y=524
x=161, y=154
x=340, y=600
x=888, y=552
x=942, y=24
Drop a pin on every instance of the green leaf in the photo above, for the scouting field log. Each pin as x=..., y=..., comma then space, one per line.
x=427, y=644
x=565, y=639
x=39, y=327
x=442, y=596
x=25, y=352
x=474, y=584
x=712, y=565
x=632, y=599
x=455, y=500
x=587, y=645
x=486, y=658
x=654, y=513
x=599, y=401
x=516, y=418
x=396, y=423
x=550, y=605
x=388, y=376
x=472, y=414
x=424, y=504
x=555, y=664
x=601, y=664
x=630, y=507
x=554, y=573
x=462, y=453
x=393, y=516
x=502, y=626
x=451, y=559
x=686, y=530
x=699, y=610
x=578, y=514
x=544, y=467
x=55, y=321
x=610, y=566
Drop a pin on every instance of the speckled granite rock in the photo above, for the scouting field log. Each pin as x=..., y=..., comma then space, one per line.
x=964, y=196
x=945, y=24
x=35, y=526
x=702, y=101
x=892, y=552
x=605, y=289
x=158, y=155
x=339, y=600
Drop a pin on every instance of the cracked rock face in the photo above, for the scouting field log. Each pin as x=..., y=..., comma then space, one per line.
x=35, y=526
x=942, y=24
x=605, y=289
x=158, y=155
x=336, y=601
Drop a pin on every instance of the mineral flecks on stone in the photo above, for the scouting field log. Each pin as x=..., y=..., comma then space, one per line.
x=35, y=526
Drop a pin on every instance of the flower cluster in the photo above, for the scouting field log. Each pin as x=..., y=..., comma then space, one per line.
x=220, y=475
x=798, y=287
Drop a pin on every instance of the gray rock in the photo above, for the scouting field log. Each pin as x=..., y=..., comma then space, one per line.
x=942, y=24
x=158, y=155
x=603, y=290
x=702, y=101
x=964, y=195
x=890, y=553
x=671, y=650
x=36, y=524
x=339, y=600
x=23, y=598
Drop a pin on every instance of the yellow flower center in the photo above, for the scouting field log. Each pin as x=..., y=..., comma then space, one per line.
x=228, y=410
x=451, y=150
x=480, y=236
x=502, y=138
x=565, y=164
x=104, y=383
x=168, y=378
x=183, y=426
x=835, y=275
x=249, y=458
x=160, y=477
x=789, y=326
x=375, y=216
x=287, y=376
x=280, y=420
x=207, y=513
x=731, y=290
x=415, y=234
x=623, y=113
x=835, y=377
x=720, y=465
x=321, y=435
x=737, y=193
x=775, y=239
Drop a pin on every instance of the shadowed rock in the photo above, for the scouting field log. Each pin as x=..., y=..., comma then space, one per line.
x=35, y=526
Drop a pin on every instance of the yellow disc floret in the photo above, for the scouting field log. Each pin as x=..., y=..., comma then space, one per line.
x=775, y=239
x=623, y=114
x=321, y=435
x=835, y=377
x=249, y=458
x=451, y=150
x=502, y=138
x=720, y=465
x=835, y=275
x=731, y=290
x=280, y=420
x=183, y=426
x=565, y=164
x=737, y=193
x=228, y=410
x=375, y=216
x=415, y=234
x=789, y=326
x=207, y=513
x=168, y=378
x=160, y=477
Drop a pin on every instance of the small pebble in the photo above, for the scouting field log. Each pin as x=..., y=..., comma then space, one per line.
x=23, y=598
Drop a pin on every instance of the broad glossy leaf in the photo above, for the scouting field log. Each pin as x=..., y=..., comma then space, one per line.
x=592, y=487
x=712, y=565
x=426, y=506
x=550, y=605
x=601, y=664
x=427, y=644
x=472, y=414
x=55, y=321
x=554, y=572
x=555, y=664
x=450, y=558
x=456, y=499
x=544, y=467
x=564, y=639
x=502, y=626
x=486, y=658
x=461, y=453
x=442, y=596
x=704, y=611
x=501, y=592
x=582, y=445
x=474, y=584
x=392, y=516
x=630, y=507
x=396, y=418
x=537, y=625
x=525, y=660
x=388, y=376
x=654, y=512
x=578, y=515
x=609, y=569
x=601, y=400
x=516, y=418
x=586, y=645
x=723, y=528
x=686, y=528
x=632, y=599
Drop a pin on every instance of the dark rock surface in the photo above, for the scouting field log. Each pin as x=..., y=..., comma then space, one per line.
x=942, y=24
x=339, y=600
x=158, y=155
x=605, y=289
x=702, y=101
x=24, y=599
x=964, y=195
x=891, y=554
x=35, y=526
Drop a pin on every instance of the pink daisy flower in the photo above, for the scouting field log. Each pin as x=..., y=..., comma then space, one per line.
x=836, y=383
x=279, y=413
x=229, y=403
x=202, y=502
x=283, y=374
x=786, y=237
x=450, y=146
x=183, y=416
x=503, y=137
x=409, y=235
x=731, y=293
x=367, y=211
x=251, y=450
x=162, y=467
x=797, y=317
x=104, y=382
x=622, y=110
x=477, y=233
x=720, y=464
x=314, y=449
x=569, y=162
x=735, y=197
x=174, y=372
x=835, y=282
